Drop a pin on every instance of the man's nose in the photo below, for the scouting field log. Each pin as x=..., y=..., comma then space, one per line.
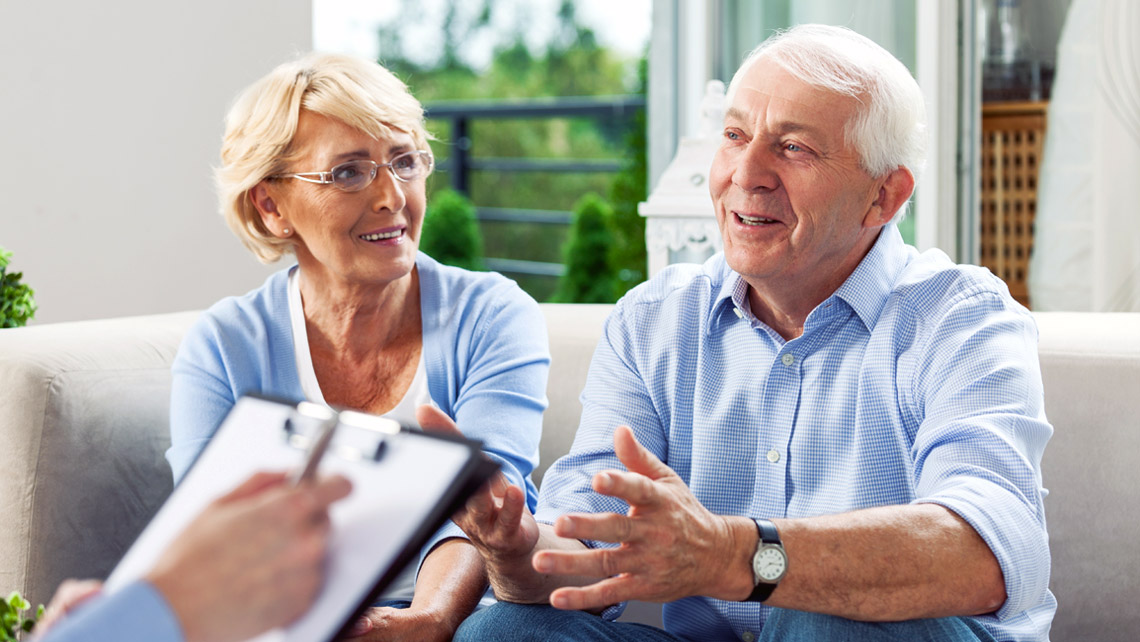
x=755, y=168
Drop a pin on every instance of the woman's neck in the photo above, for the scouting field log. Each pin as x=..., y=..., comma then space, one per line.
x=353, y=320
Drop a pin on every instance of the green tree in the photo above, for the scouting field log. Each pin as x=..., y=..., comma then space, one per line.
x=588, y=256
x=572, y=63
x=630, y=188
x=450, y=233
x=17, y=302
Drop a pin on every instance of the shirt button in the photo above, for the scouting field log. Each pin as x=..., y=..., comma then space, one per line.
x=738, y=312
x=788, y=359
x=773, y=455
x=747, y=636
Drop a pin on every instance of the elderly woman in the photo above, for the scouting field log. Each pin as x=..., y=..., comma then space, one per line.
x=326, y=158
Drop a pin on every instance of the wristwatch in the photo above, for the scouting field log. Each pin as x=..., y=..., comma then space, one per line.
x=769, y=563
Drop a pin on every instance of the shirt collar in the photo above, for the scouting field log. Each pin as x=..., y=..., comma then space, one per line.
x=870, y=285
x=866, y=290
x=733, y=290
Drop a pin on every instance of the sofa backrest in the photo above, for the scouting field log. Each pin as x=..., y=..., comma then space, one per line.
x=1090, y=365
x=83, y=423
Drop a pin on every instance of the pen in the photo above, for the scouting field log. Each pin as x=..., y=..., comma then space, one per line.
x=316, y=451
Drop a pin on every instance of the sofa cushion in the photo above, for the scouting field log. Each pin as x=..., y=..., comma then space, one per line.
x=1090, y=366
x=84, y=429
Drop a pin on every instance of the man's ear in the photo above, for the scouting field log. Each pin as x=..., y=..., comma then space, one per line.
x=266, y=206
x=893, y=193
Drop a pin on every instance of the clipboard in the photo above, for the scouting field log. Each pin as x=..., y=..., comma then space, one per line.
x=406, y=484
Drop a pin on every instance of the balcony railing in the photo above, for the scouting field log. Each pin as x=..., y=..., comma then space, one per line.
x=461, y=163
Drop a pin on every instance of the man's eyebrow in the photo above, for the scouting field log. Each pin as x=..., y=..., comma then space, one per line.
x=734, y=114
x=783, y=127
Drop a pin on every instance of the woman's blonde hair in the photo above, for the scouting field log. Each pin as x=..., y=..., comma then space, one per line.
x=263, y=120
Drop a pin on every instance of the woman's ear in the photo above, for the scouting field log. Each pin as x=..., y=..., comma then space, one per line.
x=266, y=206
x=893, y=193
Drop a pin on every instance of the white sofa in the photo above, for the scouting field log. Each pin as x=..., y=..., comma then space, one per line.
x=83, y=427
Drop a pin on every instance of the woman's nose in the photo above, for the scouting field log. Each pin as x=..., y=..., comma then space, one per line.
x=387, y=191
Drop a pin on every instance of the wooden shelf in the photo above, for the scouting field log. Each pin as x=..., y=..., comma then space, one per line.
x=1013, y=140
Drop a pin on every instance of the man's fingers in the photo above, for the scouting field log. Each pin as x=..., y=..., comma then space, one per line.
x=636, y=489
x=330, y=489
x=601, y=594
x=255, y=484
x=594, y=562
x=635, y=457
x=604, y=527
x=432, y=419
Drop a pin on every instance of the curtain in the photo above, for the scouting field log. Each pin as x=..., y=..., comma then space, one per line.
x=1087, y=241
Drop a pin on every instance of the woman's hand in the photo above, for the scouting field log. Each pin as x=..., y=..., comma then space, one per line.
x=386, y=623
x=495, y=517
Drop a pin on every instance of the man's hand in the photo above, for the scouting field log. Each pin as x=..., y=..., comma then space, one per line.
x=253, y=560
x=69, y=595
x=671, y=546
x=495, y=518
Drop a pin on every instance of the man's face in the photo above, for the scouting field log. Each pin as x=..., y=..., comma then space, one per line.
x=791, y=200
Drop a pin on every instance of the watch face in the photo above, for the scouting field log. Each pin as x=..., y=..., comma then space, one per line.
x=769, y=564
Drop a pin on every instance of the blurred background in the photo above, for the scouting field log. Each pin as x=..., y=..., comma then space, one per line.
x=554, y=119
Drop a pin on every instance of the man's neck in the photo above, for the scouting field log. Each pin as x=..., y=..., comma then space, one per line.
x=785, y=303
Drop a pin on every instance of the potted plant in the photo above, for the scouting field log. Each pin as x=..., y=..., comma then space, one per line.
x=17, y=302
x=13, y=622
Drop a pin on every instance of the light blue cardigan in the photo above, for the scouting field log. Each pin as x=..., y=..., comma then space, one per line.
x=485, y=351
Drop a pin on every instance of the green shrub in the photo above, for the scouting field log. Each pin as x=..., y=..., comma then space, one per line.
x=17, y=302
x=451, y=233
x=588, y=255
x=13, y=621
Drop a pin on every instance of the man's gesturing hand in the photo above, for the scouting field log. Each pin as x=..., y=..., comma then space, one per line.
x=670, y=545
x=495, y=518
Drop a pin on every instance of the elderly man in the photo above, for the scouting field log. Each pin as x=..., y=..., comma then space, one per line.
x=830, y=435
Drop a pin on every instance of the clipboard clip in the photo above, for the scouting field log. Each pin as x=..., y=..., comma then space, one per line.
x=358, y=436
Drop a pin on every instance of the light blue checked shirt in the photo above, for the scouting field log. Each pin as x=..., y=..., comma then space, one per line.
x=916, y=381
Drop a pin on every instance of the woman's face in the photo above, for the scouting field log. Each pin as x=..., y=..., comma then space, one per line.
x=369, y=237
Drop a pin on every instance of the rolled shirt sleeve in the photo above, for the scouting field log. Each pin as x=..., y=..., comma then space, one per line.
x=978, y=448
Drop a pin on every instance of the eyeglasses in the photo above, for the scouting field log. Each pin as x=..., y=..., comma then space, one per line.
x=354, y=176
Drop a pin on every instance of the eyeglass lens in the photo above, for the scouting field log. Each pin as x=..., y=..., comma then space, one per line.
x=356, y=175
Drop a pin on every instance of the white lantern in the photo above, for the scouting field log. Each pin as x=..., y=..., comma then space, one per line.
x=680, y=225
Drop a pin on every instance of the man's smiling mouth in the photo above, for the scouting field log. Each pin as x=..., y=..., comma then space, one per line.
x=754, y=220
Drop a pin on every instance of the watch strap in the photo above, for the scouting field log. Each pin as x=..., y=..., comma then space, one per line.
x=768, y=535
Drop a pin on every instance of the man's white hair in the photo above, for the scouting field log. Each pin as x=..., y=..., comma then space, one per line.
x=889, y=127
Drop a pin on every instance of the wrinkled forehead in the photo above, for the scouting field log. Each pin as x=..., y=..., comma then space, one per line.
x=767, y=90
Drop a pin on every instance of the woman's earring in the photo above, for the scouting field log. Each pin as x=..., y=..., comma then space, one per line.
x=287, y=231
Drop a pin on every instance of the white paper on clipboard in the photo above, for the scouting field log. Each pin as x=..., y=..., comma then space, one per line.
x=396, y=503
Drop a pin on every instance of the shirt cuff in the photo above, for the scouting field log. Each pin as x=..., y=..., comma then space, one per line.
x=137, y=611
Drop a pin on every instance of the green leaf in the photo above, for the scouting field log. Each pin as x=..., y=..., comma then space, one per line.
x=19, y=603
x=40, y=612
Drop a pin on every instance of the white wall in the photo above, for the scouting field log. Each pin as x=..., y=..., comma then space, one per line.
x=110, y=121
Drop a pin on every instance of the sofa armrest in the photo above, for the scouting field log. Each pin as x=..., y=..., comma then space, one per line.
x=84, y=427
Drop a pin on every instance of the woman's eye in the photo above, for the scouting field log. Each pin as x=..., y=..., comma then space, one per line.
x=404, y=162
x=731, y=135
x=345, y=172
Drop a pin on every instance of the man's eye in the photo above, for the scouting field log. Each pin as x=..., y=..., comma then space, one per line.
x=731, y=135
x=792, y=147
